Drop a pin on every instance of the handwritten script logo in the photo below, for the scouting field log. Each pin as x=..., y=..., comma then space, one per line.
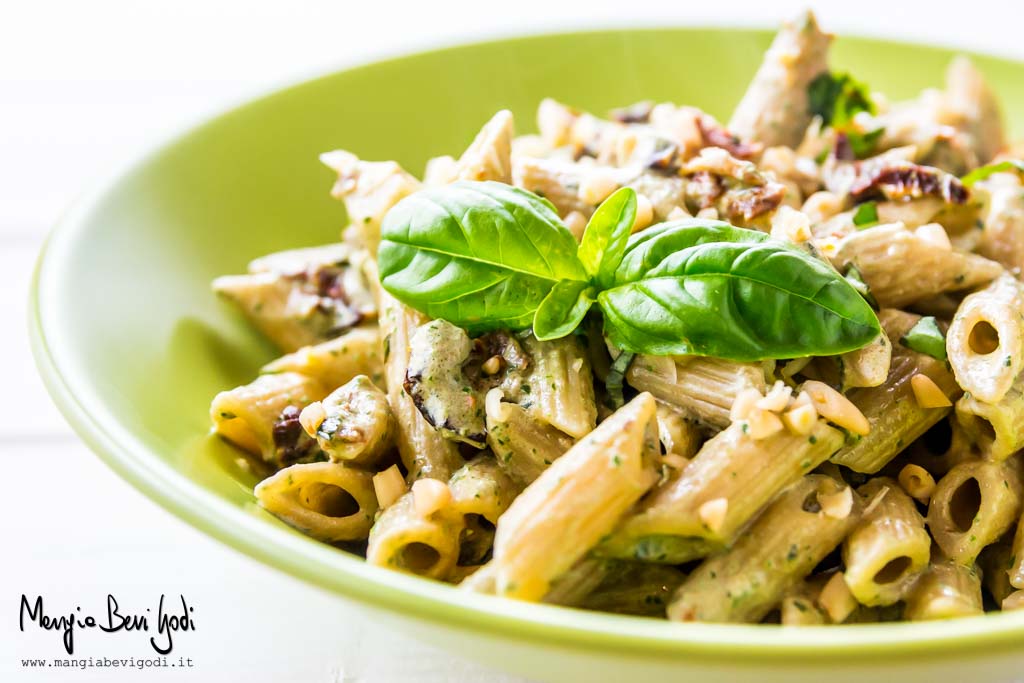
x=167, y=623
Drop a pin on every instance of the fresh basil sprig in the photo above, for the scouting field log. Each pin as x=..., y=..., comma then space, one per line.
x=485, y=256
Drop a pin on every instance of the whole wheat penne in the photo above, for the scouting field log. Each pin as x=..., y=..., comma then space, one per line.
x=523, y=446
x=1002, y=239
x=352, y=424
x=769, y=558
x=559, y=385
x=489, y=155
x=424, y=452
x=986, y=340
x=948, y=589
x=900, y=267
x=262, y=417
x=673, y=523
x=575, y=502
x=892, y=410
x=888, y=549
x=704, y=387
x=336, y=361
x=325, y=500
x=424, y=544
x=997, y=429
x=973, y=506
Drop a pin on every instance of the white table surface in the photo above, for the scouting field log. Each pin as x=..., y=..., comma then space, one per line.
x=85, y=86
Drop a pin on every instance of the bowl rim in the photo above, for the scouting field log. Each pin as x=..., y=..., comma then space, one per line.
x=352, y=578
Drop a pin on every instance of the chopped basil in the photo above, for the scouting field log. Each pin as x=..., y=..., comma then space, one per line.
x=926, y=337
x=866, y=215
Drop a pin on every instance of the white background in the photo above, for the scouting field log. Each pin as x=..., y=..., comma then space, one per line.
x=87, y=85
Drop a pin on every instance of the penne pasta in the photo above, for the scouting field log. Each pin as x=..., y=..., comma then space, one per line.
x=424, y=451
x=973, y=506
x=336, y=361
x=262, y=417
x=302, y=297
x=948, y=589
x=405, y=539
x=328, y=501
x=771, y=557
x=893, y=411
x=575, y=502
x=703, y=387
x=368, y=189
x=558, y=386
x=733, y=467
x=523, y=446
x=986, y=340
x=901, y=267
x=353, y=424
x=888, y=549
x=997, y=429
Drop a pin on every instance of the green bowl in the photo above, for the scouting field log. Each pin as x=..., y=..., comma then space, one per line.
x=132, y=345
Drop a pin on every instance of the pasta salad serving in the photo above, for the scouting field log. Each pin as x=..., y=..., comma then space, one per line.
x=768, y=371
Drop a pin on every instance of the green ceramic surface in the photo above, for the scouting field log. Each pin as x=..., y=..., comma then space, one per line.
x=132, y=344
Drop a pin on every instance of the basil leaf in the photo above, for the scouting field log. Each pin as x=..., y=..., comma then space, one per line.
x=837, y=98
x=926, y=337
x=647, y=249
x=482, y=255
x=562, y=310
x=984, y=172
x=742, y=301
x=605, y=237
x=866, y=215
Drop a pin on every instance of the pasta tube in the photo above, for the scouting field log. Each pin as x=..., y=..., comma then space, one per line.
x=424, y=451
x=901, y=267
x=942, y=447
x=996, y=563
x=489, y=155
x=325, y=500
x=262, y=417
x=575, y=502
x=369, y=189
x=948, y=589
x=302, y=297
x=558, y=387
x=404, y=538
x=523, y=446
x=704, y=387
x=1002, y=239
x=775, y=109
x=985, y=341
x=481, y=487
x=974, y=505
x=352, y=424
x=337, y=361
x=733, y=473
x=996, y=428
x=777, y=551
x=679, y=435
x=636, y=588
x=888, y=549
x=894, y=413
